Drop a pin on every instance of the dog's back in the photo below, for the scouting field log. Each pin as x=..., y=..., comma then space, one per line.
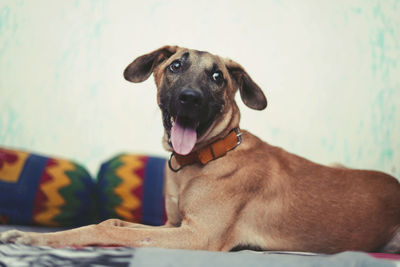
x=320, y=207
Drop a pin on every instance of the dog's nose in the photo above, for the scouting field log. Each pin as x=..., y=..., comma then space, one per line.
x=190, y=97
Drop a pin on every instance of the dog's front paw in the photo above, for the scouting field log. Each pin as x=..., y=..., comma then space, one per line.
x=17, y=237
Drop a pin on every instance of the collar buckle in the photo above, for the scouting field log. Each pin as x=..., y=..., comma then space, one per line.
x=239, y=136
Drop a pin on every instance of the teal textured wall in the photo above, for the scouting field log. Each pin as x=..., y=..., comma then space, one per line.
x=329, y=69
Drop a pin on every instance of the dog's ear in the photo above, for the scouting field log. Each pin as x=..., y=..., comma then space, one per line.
x=250, y=92
x=142, y=67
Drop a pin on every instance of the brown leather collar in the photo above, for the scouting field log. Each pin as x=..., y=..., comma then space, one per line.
x=213, y=151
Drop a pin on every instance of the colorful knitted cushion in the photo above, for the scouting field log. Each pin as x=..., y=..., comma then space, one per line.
x=131, y=188
x=47, y=191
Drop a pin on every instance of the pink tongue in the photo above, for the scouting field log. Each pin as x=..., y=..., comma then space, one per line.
x=183, y=139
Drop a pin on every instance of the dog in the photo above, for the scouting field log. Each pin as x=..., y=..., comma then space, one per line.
x=227, y=190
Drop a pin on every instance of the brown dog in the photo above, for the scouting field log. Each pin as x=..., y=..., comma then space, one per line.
x=228, y=190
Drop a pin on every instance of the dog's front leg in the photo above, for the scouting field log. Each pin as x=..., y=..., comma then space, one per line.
x=108, y=235
x=121, y=223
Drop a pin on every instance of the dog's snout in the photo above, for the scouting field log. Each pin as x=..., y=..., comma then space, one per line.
x=191, y=97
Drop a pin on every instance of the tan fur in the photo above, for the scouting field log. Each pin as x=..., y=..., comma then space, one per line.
x=257, y=194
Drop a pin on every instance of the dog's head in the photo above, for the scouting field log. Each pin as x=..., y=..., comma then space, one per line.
x=196, y=94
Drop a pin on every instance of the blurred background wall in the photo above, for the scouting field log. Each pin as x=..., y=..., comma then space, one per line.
x=330, y=70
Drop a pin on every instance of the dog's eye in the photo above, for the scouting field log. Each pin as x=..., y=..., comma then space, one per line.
x=218, y=77
x=175, y=66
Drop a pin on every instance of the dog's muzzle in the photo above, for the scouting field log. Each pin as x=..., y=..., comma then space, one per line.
x=188, y=107
x=187, y=113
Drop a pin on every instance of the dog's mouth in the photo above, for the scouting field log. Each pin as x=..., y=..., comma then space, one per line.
x=186, y=121
x=183, y=132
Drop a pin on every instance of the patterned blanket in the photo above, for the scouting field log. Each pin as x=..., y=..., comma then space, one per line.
x=21, y=255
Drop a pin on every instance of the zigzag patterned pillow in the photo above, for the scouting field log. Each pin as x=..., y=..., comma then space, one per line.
x=46, y=191
x=130, y=187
